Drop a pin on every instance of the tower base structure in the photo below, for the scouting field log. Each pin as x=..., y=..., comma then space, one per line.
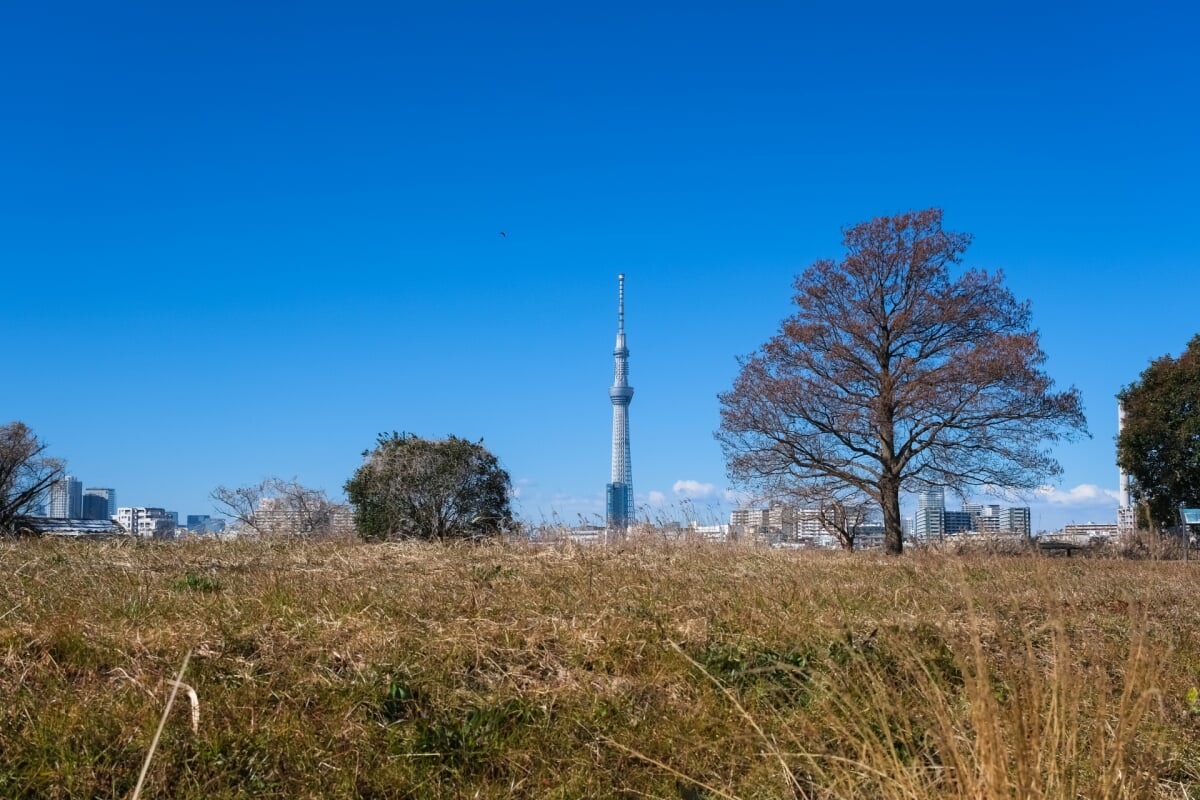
x=619, y=501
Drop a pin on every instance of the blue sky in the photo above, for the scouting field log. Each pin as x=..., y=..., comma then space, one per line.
x=241, y=241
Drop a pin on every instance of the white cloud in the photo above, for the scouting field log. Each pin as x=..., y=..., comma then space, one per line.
x=693, y=489
x=656, y=498
x=1085, y=494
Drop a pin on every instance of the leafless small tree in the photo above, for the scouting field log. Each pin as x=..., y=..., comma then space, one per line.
x=842, y=510
x=26, y=473
x=278, y=507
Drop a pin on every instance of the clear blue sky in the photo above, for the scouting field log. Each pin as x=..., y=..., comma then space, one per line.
x=241, y=239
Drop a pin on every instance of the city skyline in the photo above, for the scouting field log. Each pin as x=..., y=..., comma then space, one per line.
x=280, y=253
x=66, y=499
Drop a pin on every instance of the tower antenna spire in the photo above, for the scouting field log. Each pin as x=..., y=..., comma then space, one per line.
x=621, y=303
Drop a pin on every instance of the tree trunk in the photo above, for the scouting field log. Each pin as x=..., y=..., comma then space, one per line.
x=893, y=529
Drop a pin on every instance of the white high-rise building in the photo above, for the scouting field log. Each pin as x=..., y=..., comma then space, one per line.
x=808, y=523
x=1014, y=520
x=66, y=499
x=1126, y=514
x=930, y=520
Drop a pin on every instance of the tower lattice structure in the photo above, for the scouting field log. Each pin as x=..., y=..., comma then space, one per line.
x=620, y=512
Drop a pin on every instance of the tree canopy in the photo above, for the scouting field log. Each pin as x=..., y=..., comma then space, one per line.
x=414, y=488
x=26, y=473
x=1159, y=443
x=891, y=375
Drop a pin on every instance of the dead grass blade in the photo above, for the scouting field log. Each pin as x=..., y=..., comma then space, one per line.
x=175, y=684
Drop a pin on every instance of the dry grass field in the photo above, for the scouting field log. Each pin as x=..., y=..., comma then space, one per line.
x=337, y=669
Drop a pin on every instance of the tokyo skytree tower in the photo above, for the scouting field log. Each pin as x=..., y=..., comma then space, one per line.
x=620, y=491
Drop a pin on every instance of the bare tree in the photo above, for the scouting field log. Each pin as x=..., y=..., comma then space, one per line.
x=892, y=376
x=25, y=474
x=277, y=507
x=238, y=503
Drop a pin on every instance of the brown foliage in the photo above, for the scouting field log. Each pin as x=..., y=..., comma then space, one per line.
x=891, y=375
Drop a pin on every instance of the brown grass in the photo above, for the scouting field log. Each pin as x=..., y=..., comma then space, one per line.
x=691, y=671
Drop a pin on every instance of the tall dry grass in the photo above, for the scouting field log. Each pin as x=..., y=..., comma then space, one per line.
x=687, y=671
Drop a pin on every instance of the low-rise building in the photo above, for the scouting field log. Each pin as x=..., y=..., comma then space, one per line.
x=277, y=517
x=1088, y=530
x=71, y=528
x=146, y=522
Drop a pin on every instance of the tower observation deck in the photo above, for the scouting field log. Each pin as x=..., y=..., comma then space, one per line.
x=619, y=496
